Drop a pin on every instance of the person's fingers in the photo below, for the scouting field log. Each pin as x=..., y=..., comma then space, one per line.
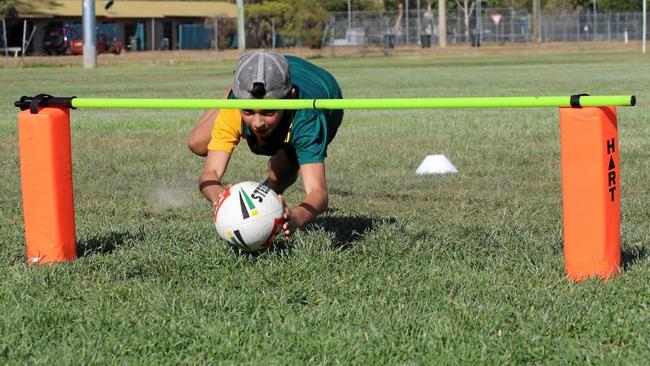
x=287, y=227
x=282, y=201
x=220, y=196
x=217, y=202
x=286, y=215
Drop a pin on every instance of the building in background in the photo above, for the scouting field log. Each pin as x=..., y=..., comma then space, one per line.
x=131, y=25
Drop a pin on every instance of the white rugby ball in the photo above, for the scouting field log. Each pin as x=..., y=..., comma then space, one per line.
x=248, y=215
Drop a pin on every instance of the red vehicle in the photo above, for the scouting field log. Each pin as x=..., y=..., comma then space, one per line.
x=105, y=44
x=61, y=38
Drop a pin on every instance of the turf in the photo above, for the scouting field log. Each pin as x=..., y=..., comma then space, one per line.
x=403, y=269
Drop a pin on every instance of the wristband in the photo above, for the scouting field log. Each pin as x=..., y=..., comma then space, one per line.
x=208, y=183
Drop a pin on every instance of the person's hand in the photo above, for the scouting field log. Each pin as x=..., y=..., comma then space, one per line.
x=289, y=226
x=220, y=196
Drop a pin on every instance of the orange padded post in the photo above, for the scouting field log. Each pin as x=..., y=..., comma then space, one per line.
x=46, y=180
x=590, y=192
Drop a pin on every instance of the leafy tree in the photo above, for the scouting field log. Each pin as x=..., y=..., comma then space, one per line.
x=562, y=5
x=7, y=8
x=614, y=5
x=391, y=4
x=260, y=17
x=311, y=19
x=297, y=21
x=355, y=5
x=617, y=5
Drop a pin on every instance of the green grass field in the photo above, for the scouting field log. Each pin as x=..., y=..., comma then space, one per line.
x=404, y=269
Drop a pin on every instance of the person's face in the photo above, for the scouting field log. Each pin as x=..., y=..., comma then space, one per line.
x=261, y=122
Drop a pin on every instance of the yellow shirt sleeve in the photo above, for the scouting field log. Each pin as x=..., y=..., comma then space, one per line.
x=226, y=131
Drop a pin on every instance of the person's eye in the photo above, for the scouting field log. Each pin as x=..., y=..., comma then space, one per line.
x=247, y=112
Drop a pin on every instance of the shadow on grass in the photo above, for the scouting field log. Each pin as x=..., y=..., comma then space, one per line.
x=631, y=256
x=346, y=231
x=106, y=242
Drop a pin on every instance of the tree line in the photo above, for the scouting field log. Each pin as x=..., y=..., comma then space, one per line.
x=303, y=21
x=370, y=5
x=7, y=7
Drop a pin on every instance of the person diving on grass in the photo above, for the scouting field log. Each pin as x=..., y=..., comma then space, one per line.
x=295, y=140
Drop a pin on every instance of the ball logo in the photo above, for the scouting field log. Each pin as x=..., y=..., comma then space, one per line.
x=248, y=208
x=246, y=204
x=248, y=215
x=235, y=238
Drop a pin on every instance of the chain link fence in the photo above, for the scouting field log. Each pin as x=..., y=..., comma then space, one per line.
x=392, y=28
x=389, y=29
x=361, y=29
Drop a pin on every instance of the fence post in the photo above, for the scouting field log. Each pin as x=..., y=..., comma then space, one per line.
x=595, y=21
x=578, y=26
x=406, y=13
x=4, y=39
x=273, y=33
x=590, y=192
x=46, y=183
x=216, y=34
x=333, y=38
x=418, y=24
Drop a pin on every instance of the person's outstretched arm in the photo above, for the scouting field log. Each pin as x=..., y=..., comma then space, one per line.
x=315, y=201
x=213, y=170
x=199, y=137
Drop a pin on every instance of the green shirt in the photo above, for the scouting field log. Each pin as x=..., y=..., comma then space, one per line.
x=308, y=131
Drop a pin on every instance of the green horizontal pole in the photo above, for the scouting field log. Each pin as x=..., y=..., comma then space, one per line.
x=383, y=103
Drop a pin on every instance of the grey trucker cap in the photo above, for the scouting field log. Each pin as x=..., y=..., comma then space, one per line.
x=268, y=68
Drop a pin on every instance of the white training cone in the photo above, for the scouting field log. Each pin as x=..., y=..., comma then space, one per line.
x=436, y=164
